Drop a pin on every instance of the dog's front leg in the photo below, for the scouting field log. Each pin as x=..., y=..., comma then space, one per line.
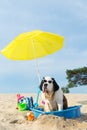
x=60, y=107
x=47, y=107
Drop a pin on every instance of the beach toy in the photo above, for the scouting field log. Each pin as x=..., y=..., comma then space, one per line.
x=21, y=102
x=30, y=116
x=22, y=106
x=37, y=98
x=43, y=102
x=24, y=103
x=30, y=103
x=69, y=113
x=19, y=97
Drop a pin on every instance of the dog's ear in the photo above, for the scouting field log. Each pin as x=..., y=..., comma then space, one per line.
x=56, y=86
x=41, y=84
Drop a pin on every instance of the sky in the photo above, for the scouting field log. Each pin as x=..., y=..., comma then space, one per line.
x=67, y=18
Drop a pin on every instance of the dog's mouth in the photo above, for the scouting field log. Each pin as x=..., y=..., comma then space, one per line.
x=45, y=90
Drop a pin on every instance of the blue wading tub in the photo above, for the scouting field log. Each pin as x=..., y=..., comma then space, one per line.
x=70, y=112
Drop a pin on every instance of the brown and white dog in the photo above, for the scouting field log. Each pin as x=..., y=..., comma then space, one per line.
x=52, y=95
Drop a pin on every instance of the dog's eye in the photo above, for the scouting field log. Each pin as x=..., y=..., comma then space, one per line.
x=50, y=81
x=44, y=80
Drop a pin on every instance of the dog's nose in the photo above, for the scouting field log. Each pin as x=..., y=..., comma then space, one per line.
x=45, y=86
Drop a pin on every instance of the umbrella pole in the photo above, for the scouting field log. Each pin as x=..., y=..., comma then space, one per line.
x=38, y=74
x=38, y=71
x=37, y=67
x=38, y=91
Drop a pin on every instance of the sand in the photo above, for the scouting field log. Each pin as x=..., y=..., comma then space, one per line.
x=13, y=119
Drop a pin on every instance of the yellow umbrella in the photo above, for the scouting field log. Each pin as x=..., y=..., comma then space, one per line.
x=31, y=45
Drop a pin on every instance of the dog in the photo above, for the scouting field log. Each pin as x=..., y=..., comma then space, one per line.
x=52, y=95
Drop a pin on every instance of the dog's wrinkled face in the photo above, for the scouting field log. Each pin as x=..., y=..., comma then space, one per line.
x=47, y=85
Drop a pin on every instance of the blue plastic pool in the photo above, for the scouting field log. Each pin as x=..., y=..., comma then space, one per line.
x=70, y=112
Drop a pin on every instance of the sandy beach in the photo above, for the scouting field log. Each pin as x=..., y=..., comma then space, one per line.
x=13, y=119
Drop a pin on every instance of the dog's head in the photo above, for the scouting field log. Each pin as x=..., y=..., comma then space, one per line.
x=48, y=85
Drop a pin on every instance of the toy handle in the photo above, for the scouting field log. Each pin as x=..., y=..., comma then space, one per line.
x=37, y=97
